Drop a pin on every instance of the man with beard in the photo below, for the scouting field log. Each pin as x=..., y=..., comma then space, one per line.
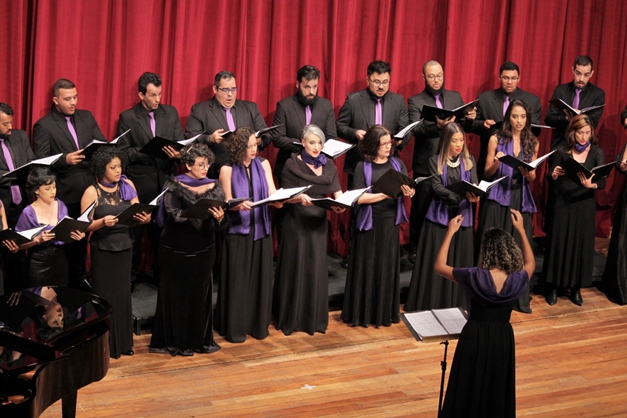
x=223, y=114
x=304, y=108
x=579, y=94
x=15, y=152
x=67, y=130
x=493, y=104
x=427, y=136
x=374, y=105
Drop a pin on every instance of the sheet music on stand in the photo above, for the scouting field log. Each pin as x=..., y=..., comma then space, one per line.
x=435, y=324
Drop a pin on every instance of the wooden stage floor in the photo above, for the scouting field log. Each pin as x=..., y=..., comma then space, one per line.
x=570, y=361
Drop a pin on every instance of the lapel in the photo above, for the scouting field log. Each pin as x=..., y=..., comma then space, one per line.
x=367, y=107
x=143, y=121
x=61, y=123
x=220, y=115
x=299, y=111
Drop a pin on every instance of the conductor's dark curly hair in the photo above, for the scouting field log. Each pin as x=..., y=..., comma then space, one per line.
x=500, y=251
x=238, y=143
x=370, y=144
x=102, y=157
x=195, y=150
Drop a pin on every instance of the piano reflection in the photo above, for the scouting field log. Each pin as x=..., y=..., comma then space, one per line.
x=53, y=341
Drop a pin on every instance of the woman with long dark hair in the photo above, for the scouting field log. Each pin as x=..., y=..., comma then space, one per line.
x=183, y=321
x=372, y=292
x=452, y=164
x=111, y=244
x=568, y=259
x=513, y=192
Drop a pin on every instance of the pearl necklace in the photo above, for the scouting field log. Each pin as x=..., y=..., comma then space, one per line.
x=453, y=164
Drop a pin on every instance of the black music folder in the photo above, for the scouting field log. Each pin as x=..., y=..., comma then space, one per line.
x=390, y=183
x=430, y=112
x=22, y=171
x=572, y=167
x=282, y=194
x=154, y=147
x=563, y=106
x=126, y=217
x=332, y=147
x=435, y=324
x=481, y=189
x=262, y=131
x=347, y=200
x=200, y=209
x=515, y=162
x=21, y=237
x=94, y=145
x=68, y=225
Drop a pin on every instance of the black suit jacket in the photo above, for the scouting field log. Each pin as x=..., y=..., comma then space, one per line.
x=147, y=173
x=209, y=116
x=357, y=113
x=427, y=134
x=590, y=95
x=490, y=106
x=51, y=136
x=623, y=116
x=21, y=153
x=291, y=113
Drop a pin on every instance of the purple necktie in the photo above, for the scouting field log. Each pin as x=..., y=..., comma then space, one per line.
x=378, y=113
x=229, y=119
x=576, y=99
x=16, y=196
x=438, y=103
x=505, y=105
x=153, y=124
x=70, y=127
x=307, y=115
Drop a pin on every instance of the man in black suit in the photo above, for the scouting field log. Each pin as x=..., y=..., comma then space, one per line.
x=427, y=137
x=374, y=105
x=493, y=104
x=221, y=115
x=305, y=107
x=359, y=112
x=147, y=119
x=579, y=94
x=15, y=151
x=67, y=130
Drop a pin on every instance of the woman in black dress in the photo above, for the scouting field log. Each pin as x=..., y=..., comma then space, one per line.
x=483, y=380
x=111, y=244
x=372, y=292
x=46, y=262
x=245, y=293
x=183, y=321
x=615, y=274
x=516, y=139
x=452, y=164
x=301, y=288
x=568, y=258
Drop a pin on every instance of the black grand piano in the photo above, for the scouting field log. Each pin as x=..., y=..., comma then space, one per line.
x=53, y=341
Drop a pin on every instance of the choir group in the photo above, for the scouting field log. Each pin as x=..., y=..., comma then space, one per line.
x=214, y=185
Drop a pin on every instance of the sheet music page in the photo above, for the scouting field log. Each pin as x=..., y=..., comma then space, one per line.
x=425, y=324
x=350, y=195
x=452, y=319
x=333, y=146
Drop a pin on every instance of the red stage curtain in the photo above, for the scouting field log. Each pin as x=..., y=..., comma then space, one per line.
x=103, y=46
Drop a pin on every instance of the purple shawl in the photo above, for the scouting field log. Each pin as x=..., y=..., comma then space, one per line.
x=501, y=192
x=364, y=215
x=186, y=180
x=240, y=220
x=439, y=209
x=127, y=192
x=28, y=220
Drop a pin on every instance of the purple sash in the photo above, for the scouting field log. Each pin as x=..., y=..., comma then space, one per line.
x=240, y=220
x=502, y=191
x=439, y=209
x=364, y=215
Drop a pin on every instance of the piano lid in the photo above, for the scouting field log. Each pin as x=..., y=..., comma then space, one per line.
x=38, y=325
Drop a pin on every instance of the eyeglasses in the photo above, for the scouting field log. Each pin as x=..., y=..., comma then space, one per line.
x=202, y=166
x=379, y=82
x=432, y=77
x=227, y=90
x=506, y=79
x=386, y=143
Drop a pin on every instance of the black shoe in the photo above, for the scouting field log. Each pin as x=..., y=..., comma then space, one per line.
x=344, y=263
x=128, y=353
x=575, y=297
x=551, y=297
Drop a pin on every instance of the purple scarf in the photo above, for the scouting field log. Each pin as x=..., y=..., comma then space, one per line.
x=439, y=208
x=186, y=180
x=582, y=148
x=317, y=162
x=364, y=215
x=127, y=192
x=240, y=220
x=501, y=192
